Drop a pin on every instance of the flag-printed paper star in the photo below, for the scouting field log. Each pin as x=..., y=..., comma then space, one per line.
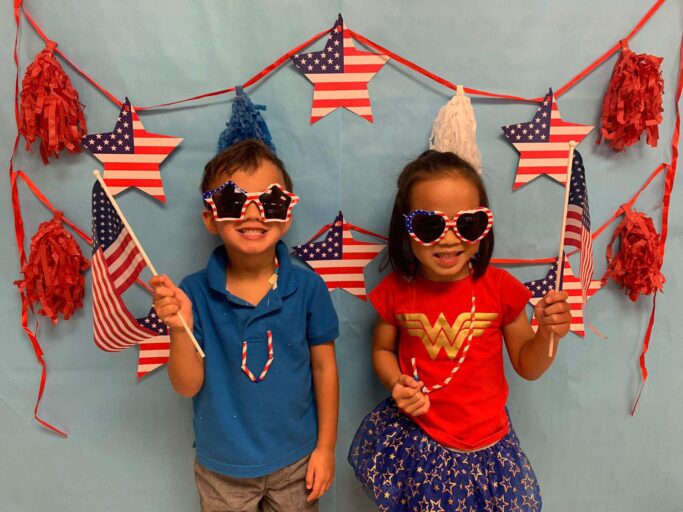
x=154, y=351
x=340, y=259
x=340, y=74
x=569, y=283
x=543, y=143
x=131, y=155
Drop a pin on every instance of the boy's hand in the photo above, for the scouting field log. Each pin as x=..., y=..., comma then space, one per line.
x=553, y=314
x=409, y=397
x=320, y=472
x=168, y=300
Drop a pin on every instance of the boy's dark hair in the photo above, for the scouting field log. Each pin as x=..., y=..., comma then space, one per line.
x=242, y=156
x=429, y=165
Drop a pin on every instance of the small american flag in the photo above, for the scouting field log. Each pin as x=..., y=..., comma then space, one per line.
x=543, y=143
x=340, y=74
x=578, y=227
x=131, y=155
x=569, y=283
x=340, y=259
x=117, y=263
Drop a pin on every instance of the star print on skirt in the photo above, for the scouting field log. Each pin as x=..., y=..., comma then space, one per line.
x=403, y=469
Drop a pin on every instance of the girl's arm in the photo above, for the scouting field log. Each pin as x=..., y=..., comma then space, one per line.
x=528, y=351
x=320, y=471
x=185, y=366
x=404, y=389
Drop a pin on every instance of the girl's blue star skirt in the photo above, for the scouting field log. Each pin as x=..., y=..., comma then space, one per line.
x=403, y=469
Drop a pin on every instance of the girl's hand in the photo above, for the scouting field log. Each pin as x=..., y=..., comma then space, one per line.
x=553, y=314
x=409, y=397
x=320, y=472
x=169, y=300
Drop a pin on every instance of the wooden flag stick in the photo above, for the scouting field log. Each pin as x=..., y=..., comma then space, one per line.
x=560, y=255
x=97, y=175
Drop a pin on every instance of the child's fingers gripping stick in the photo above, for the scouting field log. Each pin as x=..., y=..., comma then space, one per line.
x=553, y=313
x=169, y=301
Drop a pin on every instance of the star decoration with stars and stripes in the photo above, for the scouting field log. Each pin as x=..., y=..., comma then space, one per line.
x=340, y=259
x=543, y=143
x=569, y=283
x=154, y=351
x=131, y=155
x=340, y=74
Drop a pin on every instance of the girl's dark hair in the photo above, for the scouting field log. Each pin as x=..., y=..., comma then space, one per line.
x=243, y=156
x=429, y=165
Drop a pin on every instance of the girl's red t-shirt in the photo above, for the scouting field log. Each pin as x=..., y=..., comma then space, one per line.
x=433, y=320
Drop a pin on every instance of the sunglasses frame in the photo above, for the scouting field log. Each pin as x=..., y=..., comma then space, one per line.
x=251, y=197
x=449, y=224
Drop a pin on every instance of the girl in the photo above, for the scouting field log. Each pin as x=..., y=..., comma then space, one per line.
x=443, y=441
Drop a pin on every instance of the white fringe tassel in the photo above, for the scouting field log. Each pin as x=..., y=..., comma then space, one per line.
x=455, y=129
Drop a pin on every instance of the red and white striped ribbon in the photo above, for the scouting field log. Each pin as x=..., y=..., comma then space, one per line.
x=246, y=369
x=470, y=334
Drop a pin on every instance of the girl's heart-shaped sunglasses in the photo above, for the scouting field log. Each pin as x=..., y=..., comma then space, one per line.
x=429, y=227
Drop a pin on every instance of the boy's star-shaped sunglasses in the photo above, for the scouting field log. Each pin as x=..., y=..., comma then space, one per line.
x=229, y=202
x=429, y=227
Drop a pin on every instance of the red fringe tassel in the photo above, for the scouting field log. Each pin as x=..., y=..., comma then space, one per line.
x=50, y=109
x=53, y=273
x=633, y=101
x=637, y=265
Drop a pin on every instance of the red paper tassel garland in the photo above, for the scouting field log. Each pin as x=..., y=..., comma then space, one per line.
x=53, y=273
x=637, y=265
x=633, y=101
x=50, y=110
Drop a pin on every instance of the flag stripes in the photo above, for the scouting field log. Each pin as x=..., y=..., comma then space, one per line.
x=117, y=262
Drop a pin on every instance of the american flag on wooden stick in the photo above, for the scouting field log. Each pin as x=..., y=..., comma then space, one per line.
x=131, y=155
x=116, y=264
x=340, y=74
x=543, y=143
x=577, y=232
x=569, y=283
x=340, y=259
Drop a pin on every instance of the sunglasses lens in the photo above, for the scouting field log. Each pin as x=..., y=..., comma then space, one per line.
x=229, y=202
x=275, y=204
x=472, y=225
x=428, y=228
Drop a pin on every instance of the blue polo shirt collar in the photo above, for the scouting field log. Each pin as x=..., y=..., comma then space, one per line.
x=217, y=277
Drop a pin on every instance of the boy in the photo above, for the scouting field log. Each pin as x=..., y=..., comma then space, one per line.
x=265, y=398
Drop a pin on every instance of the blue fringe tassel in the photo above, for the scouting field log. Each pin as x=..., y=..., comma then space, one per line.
x=245, y=123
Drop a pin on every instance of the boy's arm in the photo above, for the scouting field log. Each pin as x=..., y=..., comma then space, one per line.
x=320, y=472
x=185, y=366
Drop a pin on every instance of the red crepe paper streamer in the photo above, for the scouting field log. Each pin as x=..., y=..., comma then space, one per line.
x=50, y=109
x=53, y=273
x=637, y=265
x=633, y=101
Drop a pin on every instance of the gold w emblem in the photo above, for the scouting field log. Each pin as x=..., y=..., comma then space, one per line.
x=443, y=334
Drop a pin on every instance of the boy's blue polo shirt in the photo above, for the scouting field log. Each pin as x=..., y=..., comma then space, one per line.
x=243, y=428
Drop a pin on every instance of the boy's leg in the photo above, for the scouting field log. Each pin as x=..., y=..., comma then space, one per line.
x=286, y=490
x=222, y=493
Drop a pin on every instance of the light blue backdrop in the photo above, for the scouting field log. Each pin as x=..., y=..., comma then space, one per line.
x=130, y=442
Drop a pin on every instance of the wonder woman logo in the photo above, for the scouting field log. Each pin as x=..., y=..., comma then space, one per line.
x=442, y=334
